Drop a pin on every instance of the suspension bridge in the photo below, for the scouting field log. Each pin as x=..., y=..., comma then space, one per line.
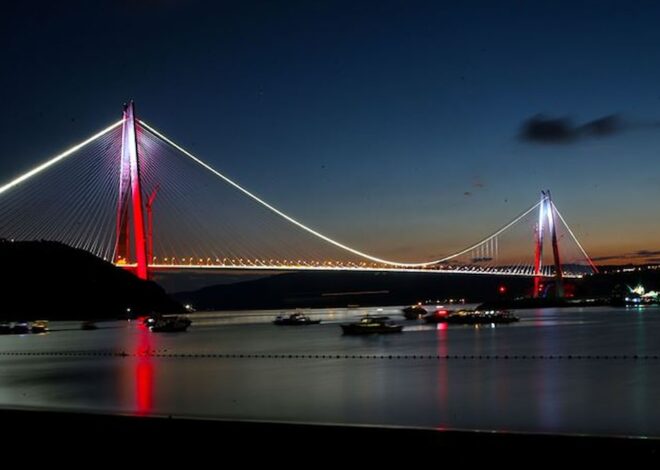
x=132, y=196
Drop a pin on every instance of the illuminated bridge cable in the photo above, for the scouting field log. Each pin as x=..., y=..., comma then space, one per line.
x=200, y=223
x=69, y=199
x=57, y=158
x=320, y=235
x=591, y=263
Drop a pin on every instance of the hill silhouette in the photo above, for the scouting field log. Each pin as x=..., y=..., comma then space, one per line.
x=342, y=289
x=50, y=280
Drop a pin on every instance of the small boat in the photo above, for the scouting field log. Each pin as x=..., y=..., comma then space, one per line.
x=20, y=328
x=170, y=324
x=295, y=319
x=370, y=325
x=414, y=312
x=88, y=325
x=474, y=317
x=439, y=316
x=39, y=326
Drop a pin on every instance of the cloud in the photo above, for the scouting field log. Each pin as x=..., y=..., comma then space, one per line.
x=477, y=184
x=607, y=258
x=635, y=255
x=643, y=253
x=603, y=127
x=545, y=130
x=541, y=129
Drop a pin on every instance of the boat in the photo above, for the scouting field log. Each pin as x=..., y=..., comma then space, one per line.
x=170, y=324
x=414, y=312
x=295, y=319
x=473, y=317
x=20, y=328
x=39, y=326
x=438, y=316
x=370, y=325
x=88, y=325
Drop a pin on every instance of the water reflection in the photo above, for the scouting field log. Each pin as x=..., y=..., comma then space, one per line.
x=137, y=368
x=441, y=372
x=355, y=381
x=144, y=373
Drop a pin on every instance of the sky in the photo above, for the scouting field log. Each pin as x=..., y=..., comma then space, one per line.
x=403, y=128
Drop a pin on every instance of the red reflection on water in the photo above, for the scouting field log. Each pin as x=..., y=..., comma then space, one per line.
x=144, y=381
x=144, y=373
x=443, y=386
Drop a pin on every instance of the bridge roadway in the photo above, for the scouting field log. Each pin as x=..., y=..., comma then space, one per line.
x=522, y=272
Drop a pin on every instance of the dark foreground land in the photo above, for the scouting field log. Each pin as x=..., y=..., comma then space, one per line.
x=52, y=281
x=161, y=439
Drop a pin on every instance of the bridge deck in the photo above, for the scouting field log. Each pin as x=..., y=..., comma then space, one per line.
x=288, y=267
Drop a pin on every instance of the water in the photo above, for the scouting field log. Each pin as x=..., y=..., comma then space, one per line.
x=123, y=367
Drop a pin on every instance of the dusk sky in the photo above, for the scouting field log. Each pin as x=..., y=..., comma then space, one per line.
x=398, y=127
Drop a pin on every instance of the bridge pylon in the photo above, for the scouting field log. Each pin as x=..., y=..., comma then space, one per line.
x=547, y=212
x=129, y=209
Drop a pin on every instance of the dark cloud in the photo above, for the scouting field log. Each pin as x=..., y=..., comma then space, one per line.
x=643, y=253
x=635, y=255
x=545, y=130
x=602, y=127
x=477, y=184
x=541, y=129
x=607, y=258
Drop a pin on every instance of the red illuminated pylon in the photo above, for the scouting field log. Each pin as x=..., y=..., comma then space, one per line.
x=546, y=210
x=538, y=254
x=559, y=275
x=130, y=187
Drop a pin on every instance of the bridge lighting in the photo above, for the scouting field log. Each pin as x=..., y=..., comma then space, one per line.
x=57, y=158
x=311, y=230
x=548, y=216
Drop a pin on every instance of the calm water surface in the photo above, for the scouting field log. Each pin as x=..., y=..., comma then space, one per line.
x=578, y=395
